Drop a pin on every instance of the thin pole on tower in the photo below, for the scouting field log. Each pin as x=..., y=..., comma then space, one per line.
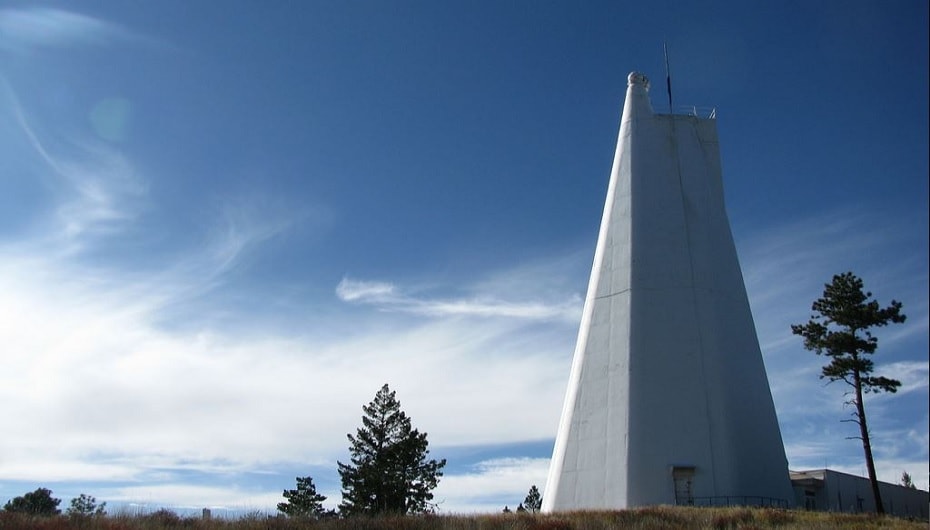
x=668, y=78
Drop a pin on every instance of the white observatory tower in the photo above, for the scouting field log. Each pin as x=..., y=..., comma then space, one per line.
x=667, y=401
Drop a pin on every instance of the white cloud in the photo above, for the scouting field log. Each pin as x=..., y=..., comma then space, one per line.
x=180, y=496
x=39, y=26
x=913, y=375
x=489, y=307
x=485, y=488
x=365, y=291
x=103, y=191
x=25, y=465
x=387, y=297
x=490, y=483
x=23, y=30
x=99, y=192
x=247, y=220
x=104, y=390
x=785, y=268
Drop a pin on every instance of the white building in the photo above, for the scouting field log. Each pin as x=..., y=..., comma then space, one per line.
x=668, y=400
x=833, y=491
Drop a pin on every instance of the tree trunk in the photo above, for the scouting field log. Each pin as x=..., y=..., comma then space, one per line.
x=866, y=445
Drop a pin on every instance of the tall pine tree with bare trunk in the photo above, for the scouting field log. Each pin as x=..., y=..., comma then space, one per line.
x=840, y=329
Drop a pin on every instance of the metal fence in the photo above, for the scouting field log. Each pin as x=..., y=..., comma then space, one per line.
x=735, y=500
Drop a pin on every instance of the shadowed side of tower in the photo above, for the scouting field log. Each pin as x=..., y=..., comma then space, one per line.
x=668, y=401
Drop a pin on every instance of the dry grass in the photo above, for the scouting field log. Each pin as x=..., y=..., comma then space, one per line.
x=660, y=517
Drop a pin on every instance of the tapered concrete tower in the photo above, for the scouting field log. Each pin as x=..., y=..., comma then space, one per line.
x=667, y=401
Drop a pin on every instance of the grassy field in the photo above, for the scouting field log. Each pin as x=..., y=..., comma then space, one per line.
x=643, y=519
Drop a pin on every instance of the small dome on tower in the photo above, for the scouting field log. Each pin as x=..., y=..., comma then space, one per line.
x=637, y=78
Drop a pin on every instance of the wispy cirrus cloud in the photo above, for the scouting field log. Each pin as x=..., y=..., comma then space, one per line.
x=42, y=26
x=106, y=193
x=388, y=297
x=31, y=28
x=895, y=451
x=913, y=375
x=97, y=189
x=96, y=376
x=97, y=379
x=350, y=290
x=785, y=268
x=99, y=382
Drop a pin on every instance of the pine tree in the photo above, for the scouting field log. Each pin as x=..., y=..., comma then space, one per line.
x=39, y=502
x=389, y=470
x=533, y=500
x=85, y=506
x=840, y=330
x=303, y=501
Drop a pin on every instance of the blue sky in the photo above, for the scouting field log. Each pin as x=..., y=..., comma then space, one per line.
x=223, y=226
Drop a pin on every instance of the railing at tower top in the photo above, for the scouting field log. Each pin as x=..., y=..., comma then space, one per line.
x=709, y=113
x=735, y=500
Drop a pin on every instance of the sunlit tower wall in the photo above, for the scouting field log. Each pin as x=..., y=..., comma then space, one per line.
x=668, y=400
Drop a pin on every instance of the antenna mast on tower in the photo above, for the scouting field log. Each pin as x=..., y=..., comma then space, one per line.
x=668, y=78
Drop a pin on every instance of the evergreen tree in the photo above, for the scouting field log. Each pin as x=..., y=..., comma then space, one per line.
x=839, y=329
x=86, y=506
x=907, y=481
x=39, y=502
x=520, y=508
x=389, y=470
x=533, y=500
x=303, y=501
